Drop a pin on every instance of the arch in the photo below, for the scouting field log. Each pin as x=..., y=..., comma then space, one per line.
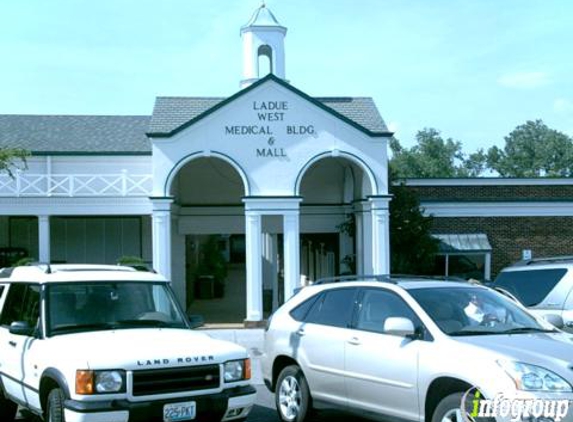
x=337, y=154
x=205, y=154
x=264, y=50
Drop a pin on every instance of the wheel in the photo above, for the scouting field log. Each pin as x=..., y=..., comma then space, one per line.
x=449, y=409
x=292, y=396
x=55, y=409
x=7, y=408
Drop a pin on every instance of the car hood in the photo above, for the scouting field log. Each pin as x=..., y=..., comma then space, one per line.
x=145, y=348
x=550, y=350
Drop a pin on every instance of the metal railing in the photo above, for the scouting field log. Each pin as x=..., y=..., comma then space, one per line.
x=71, y=185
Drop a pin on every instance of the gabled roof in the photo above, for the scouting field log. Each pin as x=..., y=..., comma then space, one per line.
x=173, y=114
x=61, y=134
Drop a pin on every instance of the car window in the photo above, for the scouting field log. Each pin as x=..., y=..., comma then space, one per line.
x=87, y=306
x=473, y=310
x=333, y=308
x=22, y=304
x=531, y=286
x=300, y=311
x=377, y=306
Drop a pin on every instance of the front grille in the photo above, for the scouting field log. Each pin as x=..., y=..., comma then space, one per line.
x=175, y=380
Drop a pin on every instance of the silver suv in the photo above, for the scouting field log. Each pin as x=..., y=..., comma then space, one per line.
x=544, y=286
x=409, y=348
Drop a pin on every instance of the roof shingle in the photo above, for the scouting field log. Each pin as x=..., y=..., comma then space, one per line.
x=75, y=134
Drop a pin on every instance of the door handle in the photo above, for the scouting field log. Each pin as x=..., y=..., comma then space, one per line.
x=355, y=341
x=300, y=332
x=12, y=343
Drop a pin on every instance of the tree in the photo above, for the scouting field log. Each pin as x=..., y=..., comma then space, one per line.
x=533, y=150
x=12, y=158
x=434, y=156
x=413, y=249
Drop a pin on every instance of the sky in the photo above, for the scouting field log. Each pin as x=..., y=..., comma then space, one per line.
x=473, y=69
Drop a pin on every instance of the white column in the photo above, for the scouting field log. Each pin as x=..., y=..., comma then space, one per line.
x=359, y=253
x=275, y=270
x=380, y=234
x=44, y=238
x=253, y=245
x=291, y=238
x=161, y=232
x=178, y=276
x=364, y=238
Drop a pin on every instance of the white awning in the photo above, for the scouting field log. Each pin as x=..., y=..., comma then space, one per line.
x=469, y=242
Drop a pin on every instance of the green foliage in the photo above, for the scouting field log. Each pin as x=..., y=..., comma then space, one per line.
x=24, y=262
x=412, y=246
x=211, y=261
x=129, y=260
x=434, y=156
x=135, y=262
x=13, y=158
x=533, y=150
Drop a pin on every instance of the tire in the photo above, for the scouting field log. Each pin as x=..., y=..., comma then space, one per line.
x=449, y=409
x=8, y=408
x=55, y=408
x=292, y=395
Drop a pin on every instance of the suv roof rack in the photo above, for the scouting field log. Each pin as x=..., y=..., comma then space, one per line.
x=386, y=278
x=357, y=277
x=545, y=260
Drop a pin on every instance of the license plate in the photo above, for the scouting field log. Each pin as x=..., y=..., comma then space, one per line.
x=174, y=412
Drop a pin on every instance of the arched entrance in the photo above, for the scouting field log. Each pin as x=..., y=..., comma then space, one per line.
x=334, y=192
x=207, y=194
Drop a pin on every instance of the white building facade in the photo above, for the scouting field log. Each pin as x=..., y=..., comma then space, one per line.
x=270, y=166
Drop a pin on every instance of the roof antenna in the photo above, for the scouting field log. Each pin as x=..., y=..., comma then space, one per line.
x=263, y=3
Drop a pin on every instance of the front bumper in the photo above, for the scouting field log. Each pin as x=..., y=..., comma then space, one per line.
x=229, y=404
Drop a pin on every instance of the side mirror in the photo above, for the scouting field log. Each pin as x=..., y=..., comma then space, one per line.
x=196, y=320
x=399, y=326
x=554, y=320
x=22, y=328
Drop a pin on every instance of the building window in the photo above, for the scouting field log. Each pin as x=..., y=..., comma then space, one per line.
x=464, y=255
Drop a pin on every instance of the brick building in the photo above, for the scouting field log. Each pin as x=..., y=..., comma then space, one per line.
x=493, y=222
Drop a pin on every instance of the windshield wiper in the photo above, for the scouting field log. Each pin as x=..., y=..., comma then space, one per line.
x=471, y=333
x=83, y=327
x=520, y=330
x=144, y=323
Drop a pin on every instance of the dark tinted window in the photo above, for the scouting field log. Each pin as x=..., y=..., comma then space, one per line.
x=333, y=308
x=530, y=286
x=379, y=305
x=22, y=304
x=299, y=313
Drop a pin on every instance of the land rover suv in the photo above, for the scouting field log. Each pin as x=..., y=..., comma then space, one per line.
x=409, y=348
x=108, y=343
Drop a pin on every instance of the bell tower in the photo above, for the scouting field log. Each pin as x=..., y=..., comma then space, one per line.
x=263, y=47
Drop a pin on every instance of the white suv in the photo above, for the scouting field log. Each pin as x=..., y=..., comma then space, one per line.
x=110, y=344
x=409, y=349
x=544, y=286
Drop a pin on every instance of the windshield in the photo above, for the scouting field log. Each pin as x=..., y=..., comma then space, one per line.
x=89, y=306
x=472, y=310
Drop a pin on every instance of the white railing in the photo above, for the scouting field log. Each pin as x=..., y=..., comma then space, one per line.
x=38, y=185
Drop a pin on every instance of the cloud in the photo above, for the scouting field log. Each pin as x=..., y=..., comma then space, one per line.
x=563, y=106
x=524, y=80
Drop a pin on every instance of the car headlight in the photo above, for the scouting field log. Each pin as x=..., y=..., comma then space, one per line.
x=100, y=382
x=237, y=370
x=534, y=378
